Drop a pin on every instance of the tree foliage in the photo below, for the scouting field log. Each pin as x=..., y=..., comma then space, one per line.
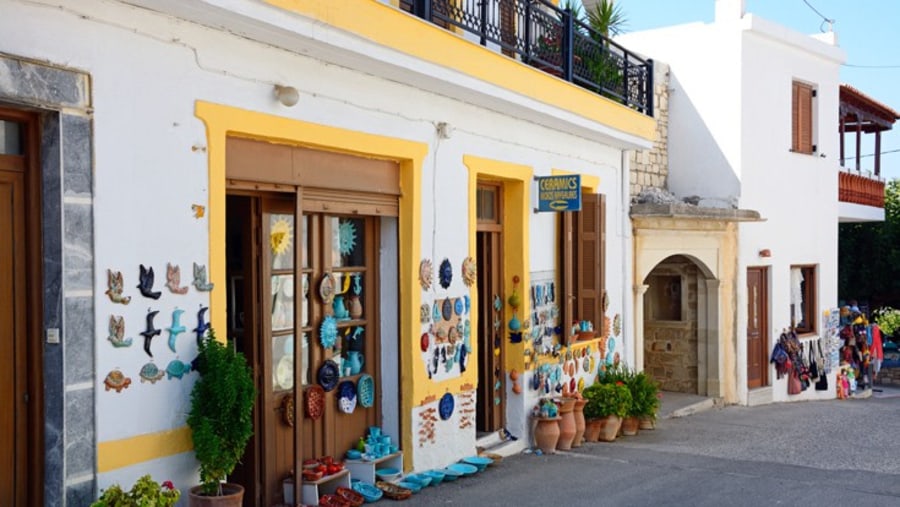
x=869, y=255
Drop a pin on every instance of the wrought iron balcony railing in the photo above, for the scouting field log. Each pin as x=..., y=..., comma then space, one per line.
x=551, y=39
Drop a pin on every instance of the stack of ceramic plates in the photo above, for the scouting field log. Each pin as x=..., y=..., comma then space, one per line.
x=478, y=461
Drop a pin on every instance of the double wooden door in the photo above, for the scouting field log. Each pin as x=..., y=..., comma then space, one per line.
x=20, y=336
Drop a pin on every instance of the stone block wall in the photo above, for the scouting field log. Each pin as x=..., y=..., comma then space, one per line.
x=650, y=168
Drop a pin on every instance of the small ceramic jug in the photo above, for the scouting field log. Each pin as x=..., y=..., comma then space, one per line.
x=340, y=309
x=356, y=360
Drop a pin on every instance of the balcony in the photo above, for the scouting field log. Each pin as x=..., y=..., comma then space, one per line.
x=551, y=39
x=859, y=189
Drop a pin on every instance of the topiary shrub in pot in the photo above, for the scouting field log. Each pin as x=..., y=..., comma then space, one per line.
x=221, y=419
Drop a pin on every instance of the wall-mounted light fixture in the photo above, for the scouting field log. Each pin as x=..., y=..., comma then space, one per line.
x=765, y=252
x=287, y=95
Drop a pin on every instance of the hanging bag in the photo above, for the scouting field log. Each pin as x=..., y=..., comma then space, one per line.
x=794, y=384
x=813, y=364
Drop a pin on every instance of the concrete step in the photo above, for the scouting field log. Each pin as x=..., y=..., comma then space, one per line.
x=495, y=443
x=694, y=408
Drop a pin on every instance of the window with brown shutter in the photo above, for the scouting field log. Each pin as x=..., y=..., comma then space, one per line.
x=802, y=118
x=583, y=260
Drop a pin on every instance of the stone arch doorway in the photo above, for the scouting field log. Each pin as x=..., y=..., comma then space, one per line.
x=680, y=326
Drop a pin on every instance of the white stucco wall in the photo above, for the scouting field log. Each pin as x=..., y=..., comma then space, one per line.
x=147, y=71
x=730, y=141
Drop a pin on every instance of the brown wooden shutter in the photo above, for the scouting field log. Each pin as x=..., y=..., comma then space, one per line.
x=801, y=118
x=588, y=273
x=567, y=296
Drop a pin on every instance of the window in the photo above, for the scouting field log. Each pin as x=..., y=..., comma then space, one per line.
x=665, y=297
x=803, y=299
x=583, y=259
x=802, y=118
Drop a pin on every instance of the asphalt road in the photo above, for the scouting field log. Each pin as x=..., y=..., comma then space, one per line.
x=815, y=454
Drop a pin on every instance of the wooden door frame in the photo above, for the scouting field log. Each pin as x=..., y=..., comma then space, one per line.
x=34, y=300
x=764, y=327
x=494, y=228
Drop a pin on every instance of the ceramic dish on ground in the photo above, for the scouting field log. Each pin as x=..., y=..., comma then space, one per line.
x=412, y=486
x=495, y=458
x=368, y=491
x=420, y=479
x=393, y=491
x=478, y=461
x=450, y=475
x=387, y=474
x=436, y=476
x=463, y=468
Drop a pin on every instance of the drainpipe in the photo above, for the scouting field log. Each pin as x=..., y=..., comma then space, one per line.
x=627, y=262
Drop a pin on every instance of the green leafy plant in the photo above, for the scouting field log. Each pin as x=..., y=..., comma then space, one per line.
x=644, y=395
x=888, y=320
x=144, y=493
x=221, y=416
x=605, y=399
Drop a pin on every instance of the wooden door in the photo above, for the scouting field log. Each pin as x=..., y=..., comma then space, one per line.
x=19, y=312
x=757, y=327
x=490, y=404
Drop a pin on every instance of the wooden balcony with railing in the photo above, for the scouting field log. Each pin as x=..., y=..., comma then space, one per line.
x=859, y=189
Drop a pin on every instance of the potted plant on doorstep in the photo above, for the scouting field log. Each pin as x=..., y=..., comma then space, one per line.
x=645, y=400
x=607, y=404
x=221, y=421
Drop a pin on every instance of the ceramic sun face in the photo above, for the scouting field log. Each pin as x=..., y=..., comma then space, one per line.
x=426, y=274
x=469, y=271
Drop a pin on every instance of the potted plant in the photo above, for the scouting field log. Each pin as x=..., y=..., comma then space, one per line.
x=144, y=493
x=645, y=400
x=607, y=403
x=221, y=420
x=888, y=320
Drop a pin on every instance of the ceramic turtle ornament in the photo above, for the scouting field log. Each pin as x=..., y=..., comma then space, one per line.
x=116, y=285
x=145, y=284
x=173, y=279
x=200, y=278
x=151, y=373
x=117, y=332
x=202, y=325
x=176, y=329
x=150, y=332
x=177, y=369
x=116, y=380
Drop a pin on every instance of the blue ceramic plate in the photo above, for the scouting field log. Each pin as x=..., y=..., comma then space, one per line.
x=463, y=468
x=412, y=486
x=420, y=479
x=365, y=390
x=445, y=406
x=368, y=491
x=436, y=476
x=450, y=474
x=479, y=461
x=387, y=472
x=328, y=375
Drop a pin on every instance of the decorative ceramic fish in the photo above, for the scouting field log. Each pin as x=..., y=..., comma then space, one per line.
x=177, y=328
x=150, y=332
x=116, y=284
x=117, y=332
x=200, y=278
x=146, y=283
x=173, y=279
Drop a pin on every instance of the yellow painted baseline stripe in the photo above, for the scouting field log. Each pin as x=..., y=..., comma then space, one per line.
x=386, y=25
x=115, y=454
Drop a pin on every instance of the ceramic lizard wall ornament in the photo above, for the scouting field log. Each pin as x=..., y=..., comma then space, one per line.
x=173, y=279
x=202, y=325
x=146, y=283
x=116, y=284
x=177, y=328
x=117, y=332
x=200, y=278
x=150, y=332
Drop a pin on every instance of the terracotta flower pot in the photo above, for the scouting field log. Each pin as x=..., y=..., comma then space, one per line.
x=232, y=496
x=648, y=422
x=546, y=434
x=579, y=423
x=566, y=424
x=609, y=428
x=592, y=430
x=630, y=426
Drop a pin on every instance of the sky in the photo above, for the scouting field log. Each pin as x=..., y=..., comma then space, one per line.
x=867, y=30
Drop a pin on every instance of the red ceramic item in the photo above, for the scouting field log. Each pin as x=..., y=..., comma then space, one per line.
x=315, y=401
x=354, y=498
x=423, y=342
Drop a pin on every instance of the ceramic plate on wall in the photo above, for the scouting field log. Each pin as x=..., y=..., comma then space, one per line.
x=365, y=390
x=328, y=375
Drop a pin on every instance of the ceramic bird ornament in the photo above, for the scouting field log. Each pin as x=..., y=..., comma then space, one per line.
x=176, y=329
x=173, y=279
x=117, y=332
x=146, y=283
x=116, y=284
x=202, y=325
x=150, y=332
x=200, y=278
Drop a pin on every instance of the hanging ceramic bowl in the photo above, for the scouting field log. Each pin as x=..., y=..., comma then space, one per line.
x=328, y=375
x=469, y=271
x=447, y=309
x=314, y=401
x=346, y=395
x=328, y=332
x=365, y=390
x=445, y=273
x=445, y=406
x=327, y=288
x=426, y=274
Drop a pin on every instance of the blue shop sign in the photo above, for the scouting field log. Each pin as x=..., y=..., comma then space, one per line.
x=559, y=193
